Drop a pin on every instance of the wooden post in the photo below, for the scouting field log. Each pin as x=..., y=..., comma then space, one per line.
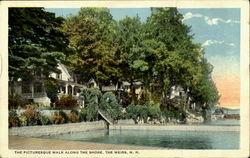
x=106, y=125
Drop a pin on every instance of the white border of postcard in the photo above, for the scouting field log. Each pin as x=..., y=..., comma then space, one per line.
x=244, y=68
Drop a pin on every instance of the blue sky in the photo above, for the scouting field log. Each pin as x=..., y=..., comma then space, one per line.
x=216, y=29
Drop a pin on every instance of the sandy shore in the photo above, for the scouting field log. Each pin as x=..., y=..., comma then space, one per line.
x=28, y=143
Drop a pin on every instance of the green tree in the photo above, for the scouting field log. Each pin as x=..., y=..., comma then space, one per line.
x=176, y=60
x=110, y=104
x=51, y=88
x=129, y=38
x=91, y=34
x=35, y=43
x=92, y=97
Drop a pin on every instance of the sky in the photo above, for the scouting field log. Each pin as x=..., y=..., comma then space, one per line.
x=216, y=29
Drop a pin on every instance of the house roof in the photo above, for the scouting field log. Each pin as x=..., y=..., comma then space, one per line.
x=64, y=69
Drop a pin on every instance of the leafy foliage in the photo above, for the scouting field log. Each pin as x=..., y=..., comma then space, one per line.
x=15, y=101
x=13, y=119
x=51, y=88
x=91, y=35
x=159, y=53
x=139, y=112
x=110, y=104
x=74, y=116
x=35, y=43
x=60, y=117
x=91, y=98
x=66, y=102
x=31, y=117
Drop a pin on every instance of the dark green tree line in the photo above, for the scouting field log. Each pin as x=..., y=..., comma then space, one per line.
x=35, y=43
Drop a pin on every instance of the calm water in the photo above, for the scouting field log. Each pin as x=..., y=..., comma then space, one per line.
x=223, y=122
x=163, y=139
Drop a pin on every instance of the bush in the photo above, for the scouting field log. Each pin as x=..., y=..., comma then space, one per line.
x=73, y=117
x=110, y=104
x=153, y=110
x=174, y=113
x=23, y=120
x=137, y=111
x=46, y=120
x=74, y=111
x=66, y=102
x=32, y=117
x=91, y=99
x=15, y=101
x=142, y=112
x=13, y=119
x=51, y=87
x=60, y=117
x=83, y=115
x=92, y=111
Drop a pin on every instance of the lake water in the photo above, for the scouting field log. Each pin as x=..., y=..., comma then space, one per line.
x=162, y=139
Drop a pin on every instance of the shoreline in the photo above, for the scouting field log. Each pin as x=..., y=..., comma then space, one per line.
x=47, y=130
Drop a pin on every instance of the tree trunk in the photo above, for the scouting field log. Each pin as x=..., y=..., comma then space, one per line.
x=132, y=89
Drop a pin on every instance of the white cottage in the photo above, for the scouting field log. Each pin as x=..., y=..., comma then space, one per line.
x=35, y=91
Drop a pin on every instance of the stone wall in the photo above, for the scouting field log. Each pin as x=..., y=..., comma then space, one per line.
x=36, y=131
x=176, y=127
x=127, y=121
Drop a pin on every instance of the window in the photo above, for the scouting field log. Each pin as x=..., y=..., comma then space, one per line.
x=26, y=88
x=58, y=75
x=38, y=87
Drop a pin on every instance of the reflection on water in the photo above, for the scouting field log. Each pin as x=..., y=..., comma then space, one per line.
x=164, y=139
x=223, y=122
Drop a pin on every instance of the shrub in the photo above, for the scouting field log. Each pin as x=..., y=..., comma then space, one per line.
x=73, y=117
x=66, y=102
x=153, y=110
x=174, y=113
x=91, y=99
x=32, y=116
x=92, y=111
x=23, y=120
x=142, y=112
x=135, y=112
x=110, y=104
x=83, y=115
x=74, y=111
x=51, y=87
x=15, y=101
x=13, y=119
x=60, y=117
x=46, y=120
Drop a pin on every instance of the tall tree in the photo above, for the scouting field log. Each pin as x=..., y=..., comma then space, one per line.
x=129, y=38
x=175, y=59
x=35, y=44
x=91, y=34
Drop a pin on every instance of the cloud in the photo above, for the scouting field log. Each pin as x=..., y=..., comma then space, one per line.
x=210, y=42
x=208, y=20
